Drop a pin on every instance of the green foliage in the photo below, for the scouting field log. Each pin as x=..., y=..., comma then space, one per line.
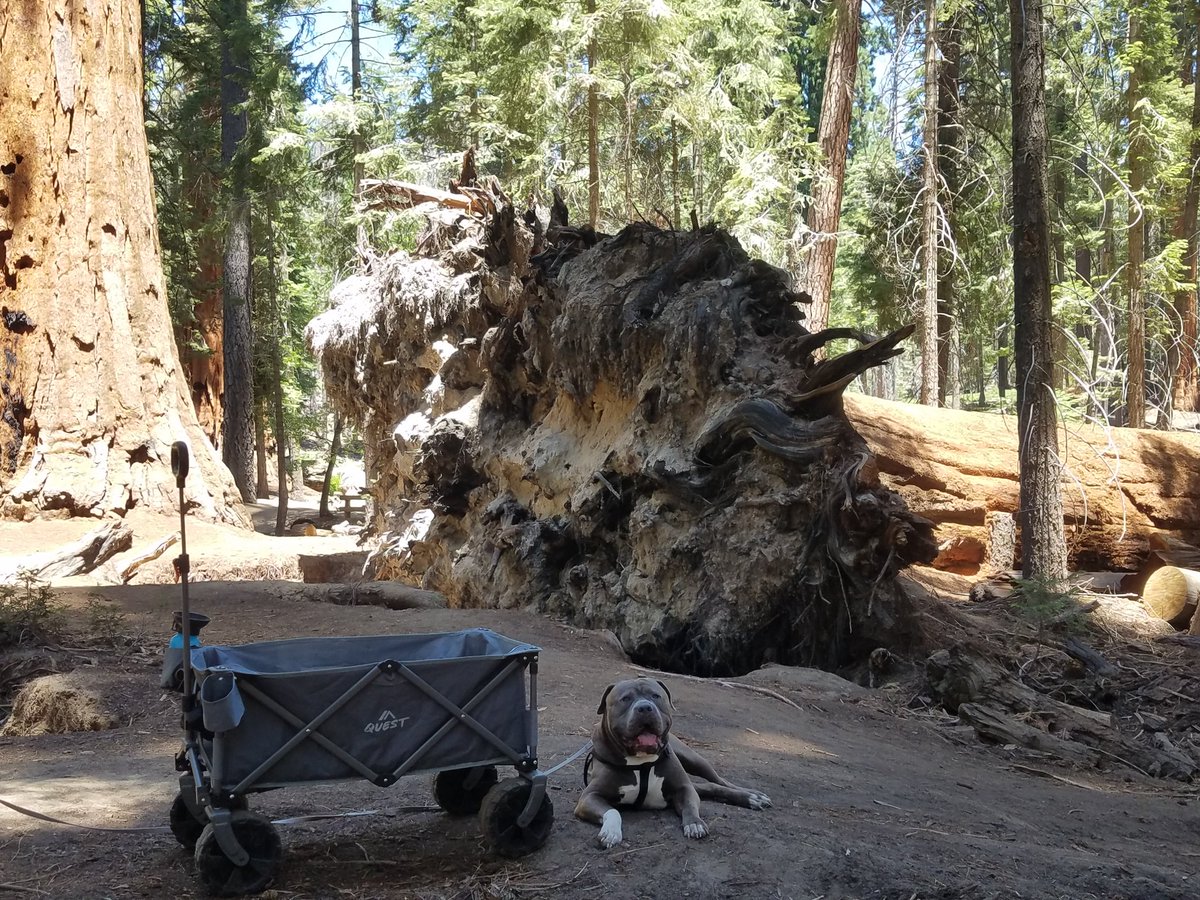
x=29, y=612
x=106, y=625
x=706, y=107
x=699, y=107
x=1043, y=603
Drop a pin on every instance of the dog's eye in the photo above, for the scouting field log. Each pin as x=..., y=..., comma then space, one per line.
x=625, y=698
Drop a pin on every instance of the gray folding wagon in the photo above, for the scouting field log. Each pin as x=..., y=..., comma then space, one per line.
x=282, y=713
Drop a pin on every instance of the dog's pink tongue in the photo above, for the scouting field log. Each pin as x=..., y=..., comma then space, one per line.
x=646, y=741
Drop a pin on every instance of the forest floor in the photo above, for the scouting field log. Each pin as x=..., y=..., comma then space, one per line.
x=872, y=799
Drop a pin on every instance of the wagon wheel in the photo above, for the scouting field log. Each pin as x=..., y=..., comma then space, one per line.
x=258, y=837
x=460, y=792
x=498, y=818
x=185, y=826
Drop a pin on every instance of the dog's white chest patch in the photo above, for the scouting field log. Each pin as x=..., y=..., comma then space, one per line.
x=654, y=790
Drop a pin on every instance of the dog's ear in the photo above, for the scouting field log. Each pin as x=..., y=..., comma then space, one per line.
x=603, y=698
x=668, y=690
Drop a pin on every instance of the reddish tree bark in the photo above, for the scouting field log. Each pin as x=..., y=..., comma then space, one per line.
x=1186, y=392
x=93, y=393
x=833, y=135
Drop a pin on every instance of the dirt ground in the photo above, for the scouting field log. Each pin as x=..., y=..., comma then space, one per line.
x=871, y=799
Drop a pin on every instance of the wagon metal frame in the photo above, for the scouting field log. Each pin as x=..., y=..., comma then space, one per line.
x=275, y=714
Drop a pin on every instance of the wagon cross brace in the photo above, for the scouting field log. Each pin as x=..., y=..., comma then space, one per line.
x=306, y=730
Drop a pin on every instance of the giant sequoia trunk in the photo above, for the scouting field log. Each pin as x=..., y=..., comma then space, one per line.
x=631, y=432
x=93, y=394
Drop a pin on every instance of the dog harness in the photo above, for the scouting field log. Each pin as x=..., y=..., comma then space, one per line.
x=641, y=774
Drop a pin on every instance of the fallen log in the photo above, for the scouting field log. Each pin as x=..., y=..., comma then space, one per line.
x=388, y=594
x=993, y=725
x=959, y=678
x=1077, y=649
x=1191, y=641
x=124, y=573
x=1171, y=593
x=1121, y=487
x=74, y=558
x=381, y=194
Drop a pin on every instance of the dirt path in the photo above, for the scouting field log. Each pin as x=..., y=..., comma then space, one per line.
x=868, y=803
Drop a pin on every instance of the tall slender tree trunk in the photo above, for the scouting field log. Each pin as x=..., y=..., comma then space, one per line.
x=279, y=316
x=833, y=136
x=335, y=449
x=1003, y=362
x=1104, y=347
x=627, y=145
x=359, y=142
x=262, y=488
x=237, y=447
x=1186, y=393
x=1058, y=340
x=1083, y=250
x=1135, y=386
x=949, y=157
x=593, y=123
x=92, y=394
x=1043, y=549
x=675, y=222
x=929, y=213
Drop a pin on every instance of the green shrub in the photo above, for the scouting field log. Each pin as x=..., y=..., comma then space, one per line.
x=29, y=612
x=106, y=625
x=1042, y=602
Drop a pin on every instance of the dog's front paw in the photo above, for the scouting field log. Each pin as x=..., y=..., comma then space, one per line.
x=759, y=800
x=610, y=830
x=695, y=830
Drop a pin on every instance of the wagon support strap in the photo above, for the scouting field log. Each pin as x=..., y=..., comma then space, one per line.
x=458, y=715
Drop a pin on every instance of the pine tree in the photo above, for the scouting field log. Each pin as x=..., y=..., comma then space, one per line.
x=237, y=428
x=833, y=137
x=1043, y=549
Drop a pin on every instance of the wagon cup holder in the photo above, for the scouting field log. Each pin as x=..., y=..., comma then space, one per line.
x=276, y=714
x=221, y=703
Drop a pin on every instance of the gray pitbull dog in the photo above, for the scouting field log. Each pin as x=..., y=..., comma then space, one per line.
x=638, y=763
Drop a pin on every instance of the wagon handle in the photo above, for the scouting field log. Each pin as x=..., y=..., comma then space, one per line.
x=179, y=468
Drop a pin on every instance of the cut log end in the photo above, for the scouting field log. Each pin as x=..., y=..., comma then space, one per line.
x=1172, y=593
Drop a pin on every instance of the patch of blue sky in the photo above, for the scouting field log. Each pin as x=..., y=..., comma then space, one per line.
x=319, y=33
